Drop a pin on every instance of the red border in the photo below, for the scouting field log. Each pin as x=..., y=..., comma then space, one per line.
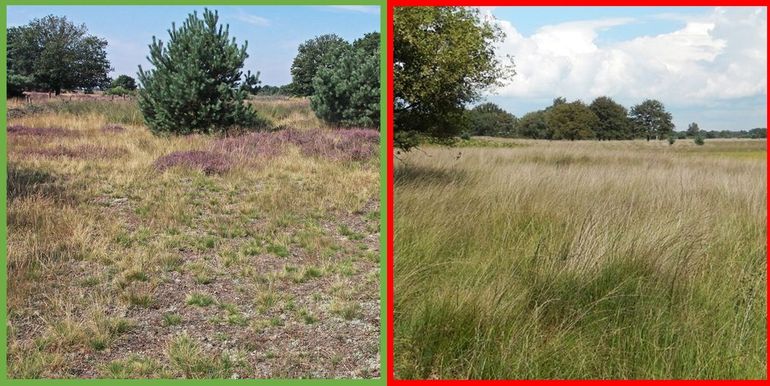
x=389, y=163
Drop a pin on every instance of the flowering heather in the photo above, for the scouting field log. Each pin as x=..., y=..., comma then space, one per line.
x=41, y=131
x=342, y=144
x=208, y=162
x=112, y=128
x=81, y=152
x=258, y=144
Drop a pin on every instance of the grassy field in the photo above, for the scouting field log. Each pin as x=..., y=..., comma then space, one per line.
x=581, y=260
x=132, y=255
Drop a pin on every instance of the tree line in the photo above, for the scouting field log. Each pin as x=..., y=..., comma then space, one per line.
x=603, y=119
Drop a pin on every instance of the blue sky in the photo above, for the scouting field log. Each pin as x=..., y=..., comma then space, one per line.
x=706, y=64
x=273, y=32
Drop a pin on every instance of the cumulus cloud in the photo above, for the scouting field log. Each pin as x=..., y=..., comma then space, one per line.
x=713, y=57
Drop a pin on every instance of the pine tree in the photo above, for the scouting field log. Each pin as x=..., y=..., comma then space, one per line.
x=347, y=90
x=194, y=87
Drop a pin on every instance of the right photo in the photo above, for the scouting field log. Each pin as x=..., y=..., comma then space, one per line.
x=580, y=192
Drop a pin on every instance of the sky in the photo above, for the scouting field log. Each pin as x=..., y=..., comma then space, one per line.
x=707, y=65
x=273, y=32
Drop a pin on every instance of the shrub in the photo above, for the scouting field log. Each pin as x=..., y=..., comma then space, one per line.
x=671, y=138
x=347, y=90
x=117, y=90
x=194, y=87
x=699, y=140
x=124, y=81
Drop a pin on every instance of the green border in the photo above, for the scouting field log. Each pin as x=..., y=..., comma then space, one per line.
x=383, y=200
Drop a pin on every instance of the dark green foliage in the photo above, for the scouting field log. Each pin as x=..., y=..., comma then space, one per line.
x=57, y=55
x=612, y=119
x=194, y=87
x=489, y=119
x=533, y=125
x=671, y=138
x=347, y=90
x=125, y=82
x=274, y=90
x=651, y=120
x=571, y=121
x=251, y=83
x=312, y=55
x=443, y=58
x=17, y=84
x=693, y=130
x=699, y=140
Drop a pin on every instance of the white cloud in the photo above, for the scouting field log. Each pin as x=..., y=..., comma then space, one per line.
x=258, y=21
x=718, y=56
x=358, y=8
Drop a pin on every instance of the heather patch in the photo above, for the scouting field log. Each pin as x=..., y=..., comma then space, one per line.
x=41, y=131
x=112, y=128
x=341, y=144
x=79, y=152
x=208, y=162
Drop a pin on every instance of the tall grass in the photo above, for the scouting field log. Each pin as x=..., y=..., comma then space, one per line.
x=581, y=260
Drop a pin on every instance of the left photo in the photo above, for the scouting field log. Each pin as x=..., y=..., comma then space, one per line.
x=193, y=192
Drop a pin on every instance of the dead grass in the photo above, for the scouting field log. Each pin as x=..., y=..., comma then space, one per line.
x=105, y=247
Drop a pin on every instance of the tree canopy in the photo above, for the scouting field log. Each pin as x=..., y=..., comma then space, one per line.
x=195, y=85
x=651, y=120
x=443, y=58
x=490, y=119
x=53, y=54
x=311, y=56
x=612, y=119
x=571, y=121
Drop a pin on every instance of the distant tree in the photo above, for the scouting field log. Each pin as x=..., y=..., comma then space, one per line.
x=57, y=55
x=612, y=119
x=194, y=86
x=671, y=138
x=124, y=81
x=651, y=120
x=571, y=121
x=443, y=58
x=558, y=101
x=490, y=119
x=693, y=130
x=313, y=54
x=117, y=90
x=699, y=140
x=347, y=92
x=251, y=83
x=533, y=125
x=17, y=84
x=759, y=132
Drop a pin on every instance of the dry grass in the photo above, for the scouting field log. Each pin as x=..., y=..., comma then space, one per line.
x=582, y=260
x=112, y=259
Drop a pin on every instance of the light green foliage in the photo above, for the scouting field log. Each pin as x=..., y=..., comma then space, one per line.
x=125, y=82
x=651, y=120
x=194, y=86
x=443, y=58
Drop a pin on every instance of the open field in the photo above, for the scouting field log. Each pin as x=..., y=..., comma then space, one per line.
x=585, y=259
x=132, y=255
